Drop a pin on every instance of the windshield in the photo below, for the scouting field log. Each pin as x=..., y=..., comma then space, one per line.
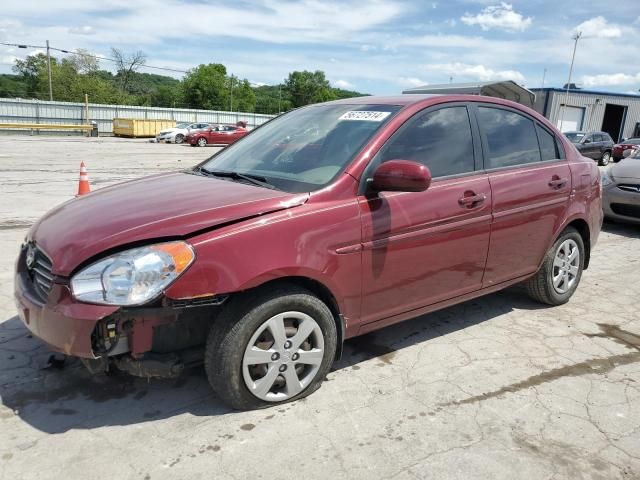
x=305, y=149
x=574, y=137
x=182, y=125
x=632, y=141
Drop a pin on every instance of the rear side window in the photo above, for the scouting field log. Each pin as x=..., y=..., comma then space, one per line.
x=439, y=139
x=510, y=138
x=548, y=146
x=598, y=138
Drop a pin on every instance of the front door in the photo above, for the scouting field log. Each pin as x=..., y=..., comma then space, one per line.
x=421, y=248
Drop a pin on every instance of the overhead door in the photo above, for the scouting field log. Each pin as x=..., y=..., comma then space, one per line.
x=570, y=118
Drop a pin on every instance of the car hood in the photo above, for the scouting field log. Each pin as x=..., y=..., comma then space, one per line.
x=161, y=206
x=626, y=169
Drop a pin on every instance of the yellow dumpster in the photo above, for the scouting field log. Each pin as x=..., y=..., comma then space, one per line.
x=136, y=128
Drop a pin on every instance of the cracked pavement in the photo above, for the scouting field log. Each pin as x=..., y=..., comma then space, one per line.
x=497, y=388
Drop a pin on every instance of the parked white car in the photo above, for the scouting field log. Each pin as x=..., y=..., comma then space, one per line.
x=177, y=134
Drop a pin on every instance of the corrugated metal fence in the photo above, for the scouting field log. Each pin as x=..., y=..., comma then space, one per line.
x=39, y=111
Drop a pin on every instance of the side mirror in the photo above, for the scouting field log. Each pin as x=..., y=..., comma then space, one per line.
x=209, y=129
x=401, y=176
x=586, y=140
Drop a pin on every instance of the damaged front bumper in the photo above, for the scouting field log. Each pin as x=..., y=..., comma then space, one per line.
x=144, y=341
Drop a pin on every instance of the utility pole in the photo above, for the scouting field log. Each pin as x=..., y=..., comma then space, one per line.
x=576, y=37
x=231, y=93
x=49, y=69
x=544, y=75
x=279, y=99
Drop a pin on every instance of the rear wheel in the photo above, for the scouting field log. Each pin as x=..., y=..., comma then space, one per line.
x=606, y=157
x=274, y=349
x=202, y=142
x=561, y=270
x=179, y=138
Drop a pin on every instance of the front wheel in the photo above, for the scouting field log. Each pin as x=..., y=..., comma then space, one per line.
x=202, y=142
x=275, y=349
x=606, y=157
x=561, y=270
x=179, y=138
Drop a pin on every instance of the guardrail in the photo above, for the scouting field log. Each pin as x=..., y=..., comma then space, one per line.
x=46, y=126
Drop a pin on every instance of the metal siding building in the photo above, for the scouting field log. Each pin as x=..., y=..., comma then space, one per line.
x=615, y=113
x=507, y=89
x=39, y=111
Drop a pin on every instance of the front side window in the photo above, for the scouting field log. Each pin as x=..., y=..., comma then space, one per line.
x=510, y=138
x=439, y=139
x=305, y=149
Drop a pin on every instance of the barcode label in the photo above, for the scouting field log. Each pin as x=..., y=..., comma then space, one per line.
x=365, y=116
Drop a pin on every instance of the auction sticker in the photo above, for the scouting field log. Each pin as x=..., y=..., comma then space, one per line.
x=364, y=115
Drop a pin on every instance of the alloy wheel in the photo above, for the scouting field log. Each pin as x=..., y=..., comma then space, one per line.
x=202, y=142
x=566, y=266
x=283, y=356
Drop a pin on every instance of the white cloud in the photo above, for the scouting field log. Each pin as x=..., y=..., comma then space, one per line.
x=501, y=17
x=410, y=82
x=83, y=30
x=598, y=27
x=343, y=84
x=476, y=72
x=608, y=80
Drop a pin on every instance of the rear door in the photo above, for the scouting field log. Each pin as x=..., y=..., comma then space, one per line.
x=530, y=183
x=420, y=248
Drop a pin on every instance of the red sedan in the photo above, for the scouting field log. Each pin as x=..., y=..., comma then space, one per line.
x=328, y=222
x=619, y=148
x=220, y=135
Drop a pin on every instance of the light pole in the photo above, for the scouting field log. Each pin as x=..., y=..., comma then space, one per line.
x=49, y=69
x=279, y=98
x=231, y=93
x=576, y=37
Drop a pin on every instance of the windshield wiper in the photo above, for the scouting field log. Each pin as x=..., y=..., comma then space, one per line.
x=249, y=177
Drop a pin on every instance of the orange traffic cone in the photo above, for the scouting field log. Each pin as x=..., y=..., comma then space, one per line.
x=83, y=185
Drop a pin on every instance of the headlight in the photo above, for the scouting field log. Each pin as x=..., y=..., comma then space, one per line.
x=132, y=277
x=606, y=178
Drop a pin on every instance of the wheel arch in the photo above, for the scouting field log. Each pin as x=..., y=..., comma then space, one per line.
x=318, y=289
x=583, y=229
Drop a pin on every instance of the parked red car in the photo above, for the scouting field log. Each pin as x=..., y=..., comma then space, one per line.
x=264, y=259
x=219, y=135
x=619, y=148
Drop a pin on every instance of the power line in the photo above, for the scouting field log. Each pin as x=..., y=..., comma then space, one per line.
x=86, y=54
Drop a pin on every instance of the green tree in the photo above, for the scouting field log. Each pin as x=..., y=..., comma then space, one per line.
x=204, y=87
x=308, y=87
x=30, y=69
x=239, y=95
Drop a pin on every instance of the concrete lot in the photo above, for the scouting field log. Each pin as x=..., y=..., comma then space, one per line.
x=497, y=388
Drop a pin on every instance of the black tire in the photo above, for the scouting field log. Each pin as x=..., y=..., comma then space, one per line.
x=605, y=159
x=233, y=329
x=179, y=138
x=540, y=287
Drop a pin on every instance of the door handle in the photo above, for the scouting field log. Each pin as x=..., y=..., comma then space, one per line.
x=557, y=182
x=471, y=199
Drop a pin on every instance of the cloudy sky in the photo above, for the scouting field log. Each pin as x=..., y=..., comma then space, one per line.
x=378, y=47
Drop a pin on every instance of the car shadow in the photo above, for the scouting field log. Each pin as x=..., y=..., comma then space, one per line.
x=624, y=229
x=55, y=398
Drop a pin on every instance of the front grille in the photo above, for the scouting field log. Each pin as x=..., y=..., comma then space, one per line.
x=629, y=187
x=40, y=272
x=626, y=210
